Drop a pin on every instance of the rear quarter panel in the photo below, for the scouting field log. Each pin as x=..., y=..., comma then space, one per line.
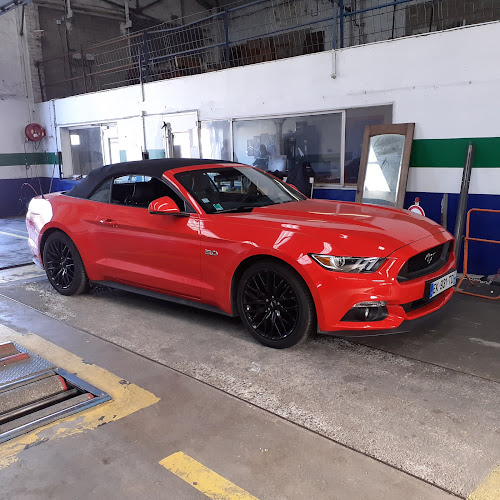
x=74, y=216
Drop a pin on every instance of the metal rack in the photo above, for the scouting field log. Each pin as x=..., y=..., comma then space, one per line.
x=466, y=255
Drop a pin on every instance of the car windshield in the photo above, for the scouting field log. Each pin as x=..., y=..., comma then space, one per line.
x=233, y=189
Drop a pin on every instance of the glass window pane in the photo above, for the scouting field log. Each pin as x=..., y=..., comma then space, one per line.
x=356, y=121
x=281, y=144
x=102, y=192
x=140, y=190
x=216, y=140
x=235, y=188
x=86, y=149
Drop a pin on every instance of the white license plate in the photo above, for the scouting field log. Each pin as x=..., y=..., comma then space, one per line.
x=442, y=284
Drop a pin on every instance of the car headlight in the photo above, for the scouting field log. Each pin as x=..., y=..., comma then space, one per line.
x=348, y=264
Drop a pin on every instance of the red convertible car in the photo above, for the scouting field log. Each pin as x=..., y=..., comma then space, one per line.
x=233, y=239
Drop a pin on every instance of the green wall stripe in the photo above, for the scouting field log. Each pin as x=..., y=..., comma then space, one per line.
x=448, y=153
x=451, y=152
x=8, y=159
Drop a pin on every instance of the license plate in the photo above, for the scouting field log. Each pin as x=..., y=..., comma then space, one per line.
x=442, y=284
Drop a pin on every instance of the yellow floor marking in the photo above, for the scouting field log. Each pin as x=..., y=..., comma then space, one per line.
x=127, y=398
x=16, y=230
x=488, y=489
x=15, y=235
x=203, y=479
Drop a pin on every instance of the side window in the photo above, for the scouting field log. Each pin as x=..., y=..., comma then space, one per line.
x=140, y=191
x=102, y=192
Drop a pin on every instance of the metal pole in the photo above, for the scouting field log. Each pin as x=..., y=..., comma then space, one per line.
x=59, y=162
x=341, y=24
x=334, y=34
x=21, y=32
x=393, y=21
x=146, y=56
x=145, y=152
x=462, y=201
x=83, y=69
x=444, y=211
x=141, y=80
x=226, y=33
x=37, y=64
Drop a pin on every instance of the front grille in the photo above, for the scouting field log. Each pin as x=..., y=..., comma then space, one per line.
x=425, y=262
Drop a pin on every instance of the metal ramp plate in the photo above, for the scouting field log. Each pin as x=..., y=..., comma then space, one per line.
x=34, y=392
x=34, y=365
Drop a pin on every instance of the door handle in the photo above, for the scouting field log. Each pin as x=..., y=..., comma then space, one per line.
x=108, y=222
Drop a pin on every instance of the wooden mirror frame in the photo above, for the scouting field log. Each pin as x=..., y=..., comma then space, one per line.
x=405, y=129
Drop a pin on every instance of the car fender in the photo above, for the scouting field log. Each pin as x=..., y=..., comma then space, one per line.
x=232, y=253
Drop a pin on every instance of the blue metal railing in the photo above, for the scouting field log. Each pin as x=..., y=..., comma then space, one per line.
x=227, y=43
x=260, y=30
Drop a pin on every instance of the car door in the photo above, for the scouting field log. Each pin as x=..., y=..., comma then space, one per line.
x=158, y=252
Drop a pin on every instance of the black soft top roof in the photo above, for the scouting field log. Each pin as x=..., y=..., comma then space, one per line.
x=151, y=168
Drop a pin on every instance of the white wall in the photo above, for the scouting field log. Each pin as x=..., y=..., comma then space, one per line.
x=16, y=99
x=446, y=83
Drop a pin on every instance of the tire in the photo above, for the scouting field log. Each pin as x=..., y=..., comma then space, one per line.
x=275, y=304
x=64, y=266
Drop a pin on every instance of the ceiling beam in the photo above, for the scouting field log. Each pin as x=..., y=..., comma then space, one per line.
x=133, y=10
x=142, y=9
x=206, y=4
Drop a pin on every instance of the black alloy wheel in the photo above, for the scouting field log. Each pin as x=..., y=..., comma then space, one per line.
x=275, y=304
x=63, y=265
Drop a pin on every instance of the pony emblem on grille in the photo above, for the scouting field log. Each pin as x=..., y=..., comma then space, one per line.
x=429, y=257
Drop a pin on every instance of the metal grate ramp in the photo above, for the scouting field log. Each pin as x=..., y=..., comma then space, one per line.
x=34, y=392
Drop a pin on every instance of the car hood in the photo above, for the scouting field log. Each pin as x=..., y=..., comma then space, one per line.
x=353, y=228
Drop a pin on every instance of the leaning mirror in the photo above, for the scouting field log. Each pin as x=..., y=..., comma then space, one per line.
x=385, y=159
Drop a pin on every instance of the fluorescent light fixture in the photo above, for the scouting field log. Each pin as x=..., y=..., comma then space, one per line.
x=74, y=139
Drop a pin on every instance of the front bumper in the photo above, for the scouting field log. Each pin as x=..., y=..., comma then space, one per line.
x=338, y=293
x=407, y=325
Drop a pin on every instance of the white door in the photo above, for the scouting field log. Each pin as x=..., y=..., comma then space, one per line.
x=110, y=145
x=182, y=141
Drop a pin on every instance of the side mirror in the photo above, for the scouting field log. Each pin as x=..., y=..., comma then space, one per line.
x=164, y=206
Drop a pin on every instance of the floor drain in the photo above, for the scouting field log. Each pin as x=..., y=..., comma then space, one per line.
x=34, y=392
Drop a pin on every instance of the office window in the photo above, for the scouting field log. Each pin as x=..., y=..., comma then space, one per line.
x=86, y=149
x=280, y=144
x=215, y=138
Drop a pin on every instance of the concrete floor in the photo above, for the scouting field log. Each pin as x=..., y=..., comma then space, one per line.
x=267, y=456
x=13, y=248
x=367, y=418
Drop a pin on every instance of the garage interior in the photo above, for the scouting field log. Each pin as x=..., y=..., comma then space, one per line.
x=182, y=403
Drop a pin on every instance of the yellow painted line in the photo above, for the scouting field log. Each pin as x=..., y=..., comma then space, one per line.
x=15, y=235
x=127, y=398
x=16, y=230
x=204, y=479
x=488, y=489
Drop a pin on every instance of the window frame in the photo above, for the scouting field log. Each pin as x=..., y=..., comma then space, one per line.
x=406, y=130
